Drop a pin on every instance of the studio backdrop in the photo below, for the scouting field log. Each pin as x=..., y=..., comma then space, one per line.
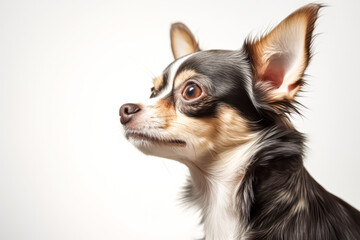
x=66, y=170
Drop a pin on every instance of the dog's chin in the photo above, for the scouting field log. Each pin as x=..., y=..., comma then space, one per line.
x=156, y=146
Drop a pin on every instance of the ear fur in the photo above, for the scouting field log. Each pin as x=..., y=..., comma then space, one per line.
x=280, y=58
x=183, y=41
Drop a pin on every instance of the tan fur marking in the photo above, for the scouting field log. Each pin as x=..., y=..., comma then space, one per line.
x=158, y=82
x=166, y=111
x=200, y=128
x=221, y=133
x=213, y=135
x=183, y=76
x=231, y=129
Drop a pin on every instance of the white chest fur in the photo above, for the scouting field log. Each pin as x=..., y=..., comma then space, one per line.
x=220, y=216
x=214, y=191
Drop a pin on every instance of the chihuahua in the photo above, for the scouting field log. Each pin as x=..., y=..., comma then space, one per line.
x=225, y=115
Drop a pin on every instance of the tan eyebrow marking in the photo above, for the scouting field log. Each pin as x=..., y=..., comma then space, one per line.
x=158, y=82
x=183, y=76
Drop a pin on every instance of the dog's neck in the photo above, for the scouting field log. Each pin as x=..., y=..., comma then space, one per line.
x=225, y=189
x=213, y=188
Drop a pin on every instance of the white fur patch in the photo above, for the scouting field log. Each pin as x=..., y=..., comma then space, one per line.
x=174, y=67
x=215, y=192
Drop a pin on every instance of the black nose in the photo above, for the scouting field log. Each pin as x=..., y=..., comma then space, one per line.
x=127, y=111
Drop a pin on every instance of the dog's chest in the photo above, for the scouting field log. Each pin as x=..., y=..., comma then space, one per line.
x=221, y=224
x=220, y=216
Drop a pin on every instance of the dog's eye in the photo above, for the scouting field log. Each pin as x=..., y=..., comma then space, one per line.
x=192, y=91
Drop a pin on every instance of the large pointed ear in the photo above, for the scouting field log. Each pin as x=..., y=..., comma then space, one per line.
x=280, y=58
x=183, y=41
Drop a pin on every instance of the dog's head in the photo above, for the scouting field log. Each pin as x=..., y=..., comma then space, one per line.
x=206, y=102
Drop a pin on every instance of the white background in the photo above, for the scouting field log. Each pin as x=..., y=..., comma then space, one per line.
x=66, y=171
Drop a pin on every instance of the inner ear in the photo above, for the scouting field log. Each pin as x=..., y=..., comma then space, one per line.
x=275, y=70
x=183, y=41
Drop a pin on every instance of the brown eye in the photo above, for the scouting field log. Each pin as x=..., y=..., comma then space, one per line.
x=192, y=91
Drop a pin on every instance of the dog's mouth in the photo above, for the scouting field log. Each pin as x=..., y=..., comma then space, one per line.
x=155, y=140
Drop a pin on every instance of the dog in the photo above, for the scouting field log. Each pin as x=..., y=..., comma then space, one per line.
x=225, y=115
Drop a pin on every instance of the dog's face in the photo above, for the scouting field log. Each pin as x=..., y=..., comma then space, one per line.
x=207, y=102
x=199, y=104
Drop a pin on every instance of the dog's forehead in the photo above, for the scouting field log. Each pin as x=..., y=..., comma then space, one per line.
x=165, y=82
x=204, y=62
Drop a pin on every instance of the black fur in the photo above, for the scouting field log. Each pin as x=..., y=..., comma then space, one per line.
x=278, y=199
x=277, y=182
